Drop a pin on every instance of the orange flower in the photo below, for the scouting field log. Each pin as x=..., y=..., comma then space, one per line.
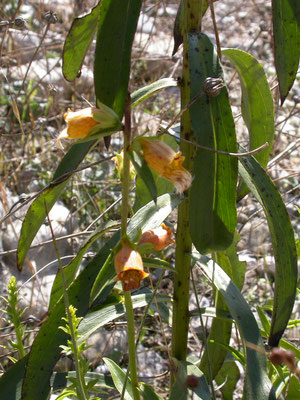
x=168, y=164
x=86, y=122
x=129, y=267
x=160, y=237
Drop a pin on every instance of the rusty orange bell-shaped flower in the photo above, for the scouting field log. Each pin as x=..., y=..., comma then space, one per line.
x=160, y=237
x=88, y=121
x=129, y=266
x=168, y=164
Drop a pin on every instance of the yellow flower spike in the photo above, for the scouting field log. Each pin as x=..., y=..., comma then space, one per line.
x=85, y=122
x=129, y=267
x=168, y=164
x=160, y=237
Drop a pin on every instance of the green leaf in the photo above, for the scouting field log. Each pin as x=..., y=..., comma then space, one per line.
x=119, y=378
x=116, y=29
x=11, y=380
x=264, y=321
x=213, y=191
x=214, y=356
x=112, y=309
x=36, y=213
x=227, y=379
x=286, y=32
x=283, y=242
x=158, y=263
x=78, y=41
x=45, y=349
x=148, y=393
x=257, y=105
x=71, y=269
x=144, y=172
x=35, y=217
x=143, y=93
x=179, y=389
x=257, y=384
x=73, y=158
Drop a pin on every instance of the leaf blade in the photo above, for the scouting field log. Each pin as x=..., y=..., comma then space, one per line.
x=283, y=241
x=78, y=41
x=257, y=105
x=286, y=31
x=213, y=191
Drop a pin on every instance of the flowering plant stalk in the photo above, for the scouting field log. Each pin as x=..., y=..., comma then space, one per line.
x=124, y=216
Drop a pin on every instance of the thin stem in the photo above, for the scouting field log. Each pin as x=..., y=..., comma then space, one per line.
x=180, y=323
x=126, y=168
x=80, y=387
x=124, y=216
x=131, y=345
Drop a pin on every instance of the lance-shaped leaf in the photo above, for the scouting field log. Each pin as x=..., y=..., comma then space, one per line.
x=37, y=212
x=283, y=242
x=257, y=105
x=214, y=355
x=286, y=32
x=116, y=29
x=257, y=384
x=78, y=41
x=213, y=191
x=143, y=93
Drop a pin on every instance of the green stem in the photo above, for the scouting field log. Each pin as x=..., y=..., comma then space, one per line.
x=126, y=169
x=124, y=216
x=131, y=345
x=180, y=324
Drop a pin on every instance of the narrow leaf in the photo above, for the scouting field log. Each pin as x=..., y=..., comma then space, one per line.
x=143, y=93
x=286, y=32
x=116, y=29
x=35, y=217
x=36, y=213
x=78, y=41
x=119, y=378
x=283, y=241
x=112, y=310
x=257, y=105
x=71, y=269
x=213, y=191
x=257, y=384
x=227, y=379
x=144, y=173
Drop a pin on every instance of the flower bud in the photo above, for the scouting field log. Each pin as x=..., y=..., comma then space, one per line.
x=129, y=267
x=168, y=164
x=119, y=164
x=160, y=237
